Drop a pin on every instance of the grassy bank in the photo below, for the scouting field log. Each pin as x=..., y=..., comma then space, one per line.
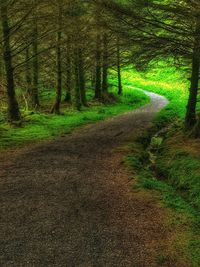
x=169, y=166
x=165, y=80
x=182, y=215
x=39, y=125
x=178, y=160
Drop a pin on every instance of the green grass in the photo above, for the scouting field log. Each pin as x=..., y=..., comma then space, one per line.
x=175, y=178
x=161, y=259
x=40, y=126
x=186, y=216
x=166, y=80
x=182, y=170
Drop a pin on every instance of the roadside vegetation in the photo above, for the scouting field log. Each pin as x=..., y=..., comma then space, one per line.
x=39, y=125
x=166, y=160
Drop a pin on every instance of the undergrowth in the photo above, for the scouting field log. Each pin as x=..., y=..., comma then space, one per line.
x=175, y=175
x=167, y=187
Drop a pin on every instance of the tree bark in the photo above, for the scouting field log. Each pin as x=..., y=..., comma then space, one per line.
x=77, y=81
x=28, y=72
x=56, y=106
x=120, y=89
x=35, y=95
x=98, y=92
x=13, y=107
x=82, y=78
x=105, y=64
x=1, y=66
x=68, y=84
x=190, y=119
x=196, y=130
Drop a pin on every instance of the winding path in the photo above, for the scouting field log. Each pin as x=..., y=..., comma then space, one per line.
x=69, y=203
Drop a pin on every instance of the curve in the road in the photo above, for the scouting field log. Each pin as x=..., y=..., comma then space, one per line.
x=68, y=202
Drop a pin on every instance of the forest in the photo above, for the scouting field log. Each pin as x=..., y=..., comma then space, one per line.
x=100, y=133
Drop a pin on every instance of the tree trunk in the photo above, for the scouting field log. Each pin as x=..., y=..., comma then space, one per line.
x=92, y=75
x=35, y=96
x=28, y=73
x=190, y=119
x=98, y=69
x=68, y=85
x=56, y=106
x=82, y=78
x=105, y=64
x=120, y=89
x=77, y=81
x=196, y=130
x=1, y=66
x=13, y=107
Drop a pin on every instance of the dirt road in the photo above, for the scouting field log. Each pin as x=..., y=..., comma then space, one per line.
x=69, y=202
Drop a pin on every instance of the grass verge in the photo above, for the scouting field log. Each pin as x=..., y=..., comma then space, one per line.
x=39, y=126
x=181, y=203
x=170, y=170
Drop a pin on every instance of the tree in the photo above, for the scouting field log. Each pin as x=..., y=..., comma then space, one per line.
x=98, y=69
x=34, y=93
x=119, y=68
x=13, y=108
x=68, y=69
x=105, y=63
x=158, y=30
x=56, y=106
x=63, y=44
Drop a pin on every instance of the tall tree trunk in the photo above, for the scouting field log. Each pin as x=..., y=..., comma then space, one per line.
x=13, y=107
x=77, y=81
x=56, y=106
x=105, y=64
x=1, y=66
x=98, y=68
x=28, y=72
x=68, y=83
x=120, y=89
x=190, y=119
x=82, y=78
x=35, y=96
x=196, y=130
x=92, y=75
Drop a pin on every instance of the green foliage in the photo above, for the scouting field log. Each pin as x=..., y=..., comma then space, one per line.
x=165, y=80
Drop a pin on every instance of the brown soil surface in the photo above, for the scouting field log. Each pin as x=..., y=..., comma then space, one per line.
x=69, y=202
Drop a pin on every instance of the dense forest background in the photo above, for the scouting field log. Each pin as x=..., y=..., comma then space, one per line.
x=57, y=51
x=54, y=49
